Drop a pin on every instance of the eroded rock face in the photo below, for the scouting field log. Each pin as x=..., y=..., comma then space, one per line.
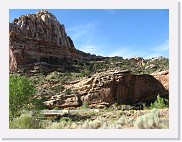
x=40, y=37
x=118, y=86
x=43, y=26
x=63, y=101
x=163, y=77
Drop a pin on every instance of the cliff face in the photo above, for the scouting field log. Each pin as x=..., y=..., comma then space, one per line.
x=110, y=87
x=40, y=37
x=43, y=26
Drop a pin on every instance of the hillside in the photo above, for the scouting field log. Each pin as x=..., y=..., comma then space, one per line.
x=67, y=78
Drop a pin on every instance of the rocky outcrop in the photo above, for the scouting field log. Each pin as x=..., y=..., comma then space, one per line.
x=117, y=86
x=163, y=77
x=43, y=26
x=63, y=100
x=39, y=38
x=136, y=60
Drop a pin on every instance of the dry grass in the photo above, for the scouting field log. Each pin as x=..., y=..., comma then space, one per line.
x=141, y=119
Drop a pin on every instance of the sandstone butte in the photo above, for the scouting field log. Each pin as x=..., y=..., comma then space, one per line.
x=40, y=37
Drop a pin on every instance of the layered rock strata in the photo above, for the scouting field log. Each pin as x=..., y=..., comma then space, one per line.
x=40, y=37
x=43, y=26
x=113, y=86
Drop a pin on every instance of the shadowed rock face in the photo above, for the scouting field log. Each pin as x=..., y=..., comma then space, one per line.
x=117, y=86
x=163, y=77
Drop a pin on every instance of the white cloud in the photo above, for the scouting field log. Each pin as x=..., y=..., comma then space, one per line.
x=88, y=48
x=82, y=34
x=160, y=50
x=125, y=52
x=129, y=52
x=163, y=47
x=84, y=37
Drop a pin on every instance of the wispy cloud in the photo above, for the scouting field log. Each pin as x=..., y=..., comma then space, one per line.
x=125, y=52
x=160, y=50
x=82, y=34
x=163, y=47
x=88, y=48
x=128, y=52
x=84, y=37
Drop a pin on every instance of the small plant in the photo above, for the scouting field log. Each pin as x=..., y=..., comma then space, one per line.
x=25, y=121
x=55, y=125
x=95, y=124
x=131, y=111
x=65, y=119
x=56, y=108
x=85, y=105
x=144, y=106
x=58, y=89
x=68, y=91
x=159, y=103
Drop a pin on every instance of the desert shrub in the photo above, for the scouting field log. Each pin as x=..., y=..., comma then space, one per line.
x=68, y=91
x=131, y=111
x=159, y=103
x=149, y=120
x=85, y=105
x=54, y=76
x=65, y=119
x=144, y=106
x=94, y=124
x=57, y=89
x=37, y=103
x=25, y=121
x=118, y=124
x=56, y=108
x=55, y=125
x=85, y=72
x=20, y=91
x=62, y=125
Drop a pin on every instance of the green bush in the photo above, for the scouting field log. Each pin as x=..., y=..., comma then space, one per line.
x=85, y=105
x=25, y=121
x=20, y=91
x=68, y=91
x=67, y=119
x=159, y=103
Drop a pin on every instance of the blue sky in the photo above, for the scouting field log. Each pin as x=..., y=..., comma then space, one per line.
x=115, y=32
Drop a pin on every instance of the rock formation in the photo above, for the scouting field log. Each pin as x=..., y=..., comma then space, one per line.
x=39, y=42
x=43, y=26
x=40, y=37
x=163, y=77
x=63, y=101
x=113, y=86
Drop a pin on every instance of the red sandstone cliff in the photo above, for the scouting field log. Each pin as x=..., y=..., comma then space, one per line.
x=110, y=87
x=40, y=37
